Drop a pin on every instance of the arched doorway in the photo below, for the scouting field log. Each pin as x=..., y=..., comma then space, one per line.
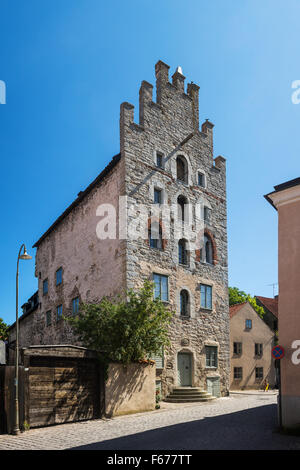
x=184, y=369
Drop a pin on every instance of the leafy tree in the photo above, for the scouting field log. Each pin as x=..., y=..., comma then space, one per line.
x=3, y=330
x=237, y=296
x=124, y=330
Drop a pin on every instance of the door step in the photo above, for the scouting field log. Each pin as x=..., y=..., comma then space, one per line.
x=188, y=395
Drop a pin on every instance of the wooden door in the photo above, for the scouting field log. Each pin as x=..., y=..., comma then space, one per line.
x=184, y=370
x=213, y=386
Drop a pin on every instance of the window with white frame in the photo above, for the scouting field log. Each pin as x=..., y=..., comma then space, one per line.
x=157, y=196
x=259, y=373
x=182, y=252
x=238, y=373
x=258, y=349
x=181, y=169
x=159, y=160
x=201, y=179
x=237, y=348
x=211, y=353
x=161, y=288
x=206, y=296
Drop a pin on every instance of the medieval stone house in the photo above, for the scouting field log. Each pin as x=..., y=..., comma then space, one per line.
x=164, y=161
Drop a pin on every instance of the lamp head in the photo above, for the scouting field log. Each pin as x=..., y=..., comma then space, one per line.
x=25, y=255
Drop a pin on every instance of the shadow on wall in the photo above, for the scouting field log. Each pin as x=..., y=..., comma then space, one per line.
x=129, y=389
x=251, y=429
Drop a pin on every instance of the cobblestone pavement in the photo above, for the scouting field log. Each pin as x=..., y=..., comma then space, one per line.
x=241, y=421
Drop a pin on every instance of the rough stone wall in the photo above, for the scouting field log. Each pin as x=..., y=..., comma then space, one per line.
x=163, y=125
x=92, y=268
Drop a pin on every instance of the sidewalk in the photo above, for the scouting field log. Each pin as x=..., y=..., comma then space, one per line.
x=254, y=392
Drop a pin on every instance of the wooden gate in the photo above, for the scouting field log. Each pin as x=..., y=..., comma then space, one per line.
x=61, y=390
x=62, y=384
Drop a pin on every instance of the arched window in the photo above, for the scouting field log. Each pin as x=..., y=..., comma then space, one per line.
x=184, y=303
x=182, y=169
x=182, y=252
x=207, y=250
x=155, y=235
x=182, y=207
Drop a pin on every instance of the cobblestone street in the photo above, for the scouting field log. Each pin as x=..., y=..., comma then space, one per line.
x=237, y=422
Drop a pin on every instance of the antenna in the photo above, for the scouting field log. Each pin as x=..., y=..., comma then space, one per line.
x=273, y=285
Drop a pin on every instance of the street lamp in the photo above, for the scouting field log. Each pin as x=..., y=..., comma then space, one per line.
x=24, y=256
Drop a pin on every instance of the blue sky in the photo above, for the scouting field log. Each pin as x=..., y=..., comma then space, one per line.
x=69, y=64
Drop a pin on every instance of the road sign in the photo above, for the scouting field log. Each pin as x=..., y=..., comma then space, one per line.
x=277, y=352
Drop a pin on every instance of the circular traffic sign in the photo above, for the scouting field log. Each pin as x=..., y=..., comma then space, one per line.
x=277, y=352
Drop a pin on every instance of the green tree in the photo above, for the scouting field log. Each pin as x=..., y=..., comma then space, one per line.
x=126, y=329
x=237, y=296
x=3, y=330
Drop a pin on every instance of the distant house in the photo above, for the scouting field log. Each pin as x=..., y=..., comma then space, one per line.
x=25, y=325
x=270, y=306
x=251, y=341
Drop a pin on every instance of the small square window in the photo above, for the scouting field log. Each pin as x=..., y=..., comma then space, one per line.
x=159, y=160
x=248, y=324
x=59, y=312
x=75, y=306
x=258, y=350
x=238, y=373
x=237, y=348
x=259, y=373
x=59, y=276
x=48, y=318
x=206, y=296
x=45, y=286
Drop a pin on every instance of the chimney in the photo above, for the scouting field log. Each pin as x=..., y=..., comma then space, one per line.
x=178, y=79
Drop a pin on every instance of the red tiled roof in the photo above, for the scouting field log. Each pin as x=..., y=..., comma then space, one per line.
x=233, y=309
x=269, y=303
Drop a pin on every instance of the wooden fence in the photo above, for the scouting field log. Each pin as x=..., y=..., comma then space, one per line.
x=57, y=384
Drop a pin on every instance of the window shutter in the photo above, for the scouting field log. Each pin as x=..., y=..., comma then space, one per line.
x=159, y=360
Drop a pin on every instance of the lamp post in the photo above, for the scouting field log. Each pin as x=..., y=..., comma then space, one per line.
x=24, y=256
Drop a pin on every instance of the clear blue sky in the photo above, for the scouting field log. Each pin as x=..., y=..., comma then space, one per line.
x=69, y=64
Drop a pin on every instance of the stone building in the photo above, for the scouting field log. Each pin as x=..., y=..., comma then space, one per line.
x=165, y=164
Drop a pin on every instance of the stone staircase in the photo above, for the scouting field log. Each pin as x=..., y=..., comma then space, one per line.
x=188, y=395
